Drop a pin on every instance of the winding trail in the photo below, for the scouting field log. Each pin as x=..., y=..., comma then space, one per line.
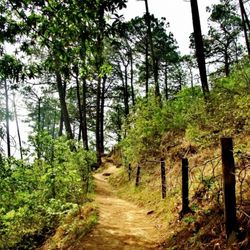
x=121, y=225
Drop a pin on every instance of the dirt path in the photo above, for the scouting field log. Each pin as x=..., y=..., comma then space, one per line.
x=122, y=225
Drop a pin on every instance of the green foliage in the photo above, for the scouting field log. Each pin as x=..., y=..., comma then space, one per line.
x=142, y=129
x=146, y=126
x=226, y=112
x=35, y=196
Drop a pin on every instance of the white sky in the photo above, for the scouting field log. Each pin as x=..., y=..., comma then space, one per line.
x=176, y=12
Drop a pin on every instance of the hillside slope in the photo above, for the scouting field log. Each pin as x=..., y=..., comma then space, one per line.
x=187, y=127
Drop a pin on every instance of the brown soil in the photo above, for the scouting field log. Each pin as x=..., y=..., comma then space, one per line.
x=122, y=225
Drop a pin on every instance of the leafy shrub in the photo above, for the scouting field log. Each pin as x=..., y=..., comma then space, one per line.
x=225, y=113
x=35, y=196
x=148, y=123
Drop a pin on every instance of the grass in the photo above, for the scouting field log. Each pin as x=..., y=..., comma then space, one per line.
x=73, y=228
x=203, y=229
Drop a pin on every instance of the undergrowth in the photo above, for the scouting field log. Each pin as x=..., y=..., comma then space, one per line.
x=36, y=196
x=187, y=126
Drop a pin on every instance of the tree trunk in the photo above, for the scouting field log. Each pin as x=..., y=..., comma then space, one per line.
x=155, y=67
x=126, y=98
x=39, y=128
x=99, y=63
x=146, y=68
x=7, y=117
x=79, y=103
x=63, y=104
x=244, y=21
x=84, y=88
x=119, y=123
x=18, y=129
x=226, y=58
x=84, y=114
x=102, y=115
x=199, y=47
x=60, y=132
x=98, y=97
x=132, y=78
x=166, y=82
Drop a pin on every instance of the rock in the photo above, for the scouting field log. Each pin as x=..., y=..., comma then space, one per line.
x=106, y=174
x=150, y=212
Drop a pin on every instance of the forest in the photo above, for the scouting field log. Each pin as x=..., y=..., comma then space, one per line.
x=84, y=90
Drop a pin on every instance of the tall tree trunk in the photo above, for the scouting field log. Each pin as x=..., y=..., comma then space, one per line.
x=226, y=62
x=147, y=68
x=102, y=103
x=119, y=123
x=98, y=97
x=244, y=21
x=132, y=78
x=18, y=129
x=79, y=103
x=7, y=117
x=39, y=128
x=60, y=132
x=155, y=67
x=54, y=125
x=166, y=82
x=126, y=98
x=191, y=79
x=99, y=63
x=247, y=22
x=84, y=113
x=63, y=104
x=84, y=88
x=199, y=47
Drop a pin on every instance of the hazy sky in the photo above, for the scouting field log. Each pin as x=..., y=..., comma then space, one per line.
x=177, y=13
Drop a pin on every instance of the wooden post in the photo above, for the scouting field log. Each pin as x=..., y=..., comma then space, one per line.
x=229, y=185
x=163, y=179
x=185, y=191
x=138, y=176
x=129, y=171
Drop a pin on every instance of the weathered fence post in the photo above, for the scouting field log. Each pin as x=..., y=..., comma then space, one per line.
x=138, y=176
x=129, y=171
x=185, y=191
x=229, y=185
x=163, y=179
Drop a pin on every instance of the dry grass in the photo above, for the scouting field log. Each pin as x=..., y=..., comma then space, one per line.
x=74, y=227
x=204, y=229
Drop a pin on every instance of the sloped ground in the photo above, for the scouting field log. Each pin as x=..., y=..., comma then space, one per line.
x=122, y=225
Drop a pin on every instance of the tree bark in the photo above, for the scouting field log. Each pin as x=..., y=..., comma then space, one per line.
x=132, y=78
x=155, y=68
x=7, y=118
x=63, y=104
x=226, y=58
x=79, y=103
x=166, y=82
x=102, y=115
x=60, y=132
x=18, y=129
x=39, y=128
x=99, y=63
x=244, y=21
x=146, y=69
x=126, y=98
x=84, y=114
x=199, y=47
x=98, y=97
x=84, y=89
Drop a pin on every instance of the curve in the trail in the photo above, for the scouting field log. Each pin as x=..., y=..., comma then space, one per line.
x=121, y=225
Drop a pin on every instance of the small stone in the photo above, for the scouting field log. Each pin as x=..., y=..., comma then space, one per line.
x=106, y=174
x=150, y=212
